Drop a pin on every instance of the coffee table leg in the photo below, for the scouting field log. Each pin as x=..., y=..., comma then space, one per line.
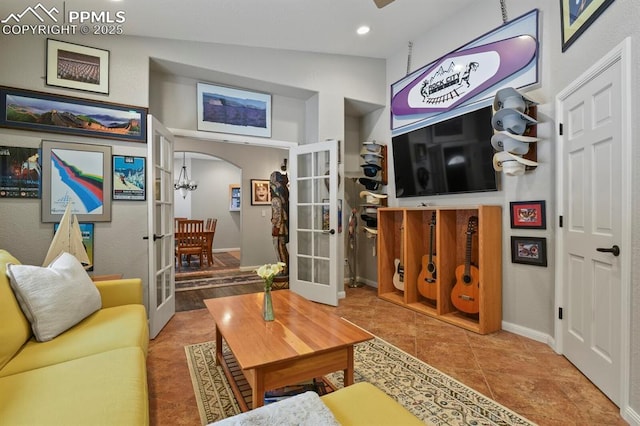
x=257, y=388
x=348, y=373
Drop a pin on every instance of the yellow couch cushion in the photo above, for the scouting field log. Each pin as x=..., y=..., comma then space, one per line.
x=103, y=389
x=104, y=330
x=365, y=404
x=15, y=329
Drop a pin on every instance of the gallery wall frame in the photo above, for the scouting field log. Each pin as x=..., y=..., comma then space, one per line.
x=232, y=110
x=75, y=66
x=78, y=174
x=528, y=214
x=129, y=176
x=529, y=250
x=260, y=192
x=577, y=16
x=20, y=171
x=45, y=112
x=235, y=197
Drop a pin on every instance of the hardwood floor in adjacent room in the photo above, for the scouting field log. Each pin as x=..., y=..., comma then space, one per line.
x=521, y=374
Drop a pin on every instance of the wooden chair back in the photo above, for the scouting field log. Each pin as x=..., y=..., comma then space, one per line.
x=190, y=240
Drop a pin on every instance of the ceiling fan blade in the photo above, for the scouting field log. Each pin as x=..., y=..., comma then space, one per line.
x=382, y=3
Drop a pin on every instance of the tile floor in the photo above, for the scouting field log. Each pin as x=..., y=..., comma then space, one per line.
x=524, y=375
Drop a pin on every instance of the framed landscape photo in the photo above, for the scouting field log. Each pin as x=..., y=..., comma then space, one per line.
x=529, y=250
x=528, y=214
x=44, y=112
x=260, y=192
x=129, y=178
x=577, y=15
x=230, y=110
x=77, y=174
x=77, y=67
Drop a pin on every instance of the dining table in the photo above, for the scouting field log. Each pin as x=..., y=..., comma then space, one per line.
x=208, y=238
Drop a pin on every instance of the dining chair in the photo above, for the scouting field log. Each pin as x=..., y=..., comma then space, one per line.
x=190, y=241
x=210, y=228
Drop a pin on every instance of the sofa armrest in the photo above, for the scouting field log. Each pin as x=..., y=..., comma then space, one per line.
x=120, y=292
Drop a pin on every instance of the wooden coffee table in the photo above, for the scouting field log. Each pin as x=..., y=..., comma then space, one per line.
x=305, y=341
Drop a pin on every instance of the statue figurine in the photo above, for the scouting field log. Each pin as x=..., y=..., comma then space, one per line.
x=280, y=217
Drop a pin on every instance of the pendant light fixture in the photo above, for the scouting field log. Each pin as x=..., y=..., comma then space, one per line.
x=184, y=184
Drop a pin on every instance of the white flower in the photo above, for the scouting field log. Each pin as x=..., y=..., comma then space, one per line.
x=270, y=270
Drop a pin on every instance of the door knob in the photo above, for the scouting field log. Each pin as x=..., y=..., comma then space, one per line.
x=330, y=231
x=614, y=250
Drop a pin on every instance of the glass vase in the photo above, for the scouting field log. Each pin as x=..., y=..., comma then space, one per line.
x=267, y=306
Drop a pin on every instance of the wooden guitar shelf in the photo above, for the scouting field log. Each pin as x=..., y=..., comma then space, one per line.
x=450, y=249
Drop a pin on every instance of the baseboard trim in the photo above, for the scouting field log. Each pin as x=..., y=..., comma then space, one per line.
x=530, y=333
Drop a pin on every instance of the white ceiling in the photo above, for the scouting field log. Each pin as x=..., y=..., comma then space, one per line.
x=327, y=26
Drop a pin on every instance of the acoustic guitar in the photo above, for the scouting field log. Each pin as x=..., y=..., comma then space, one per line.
x=398, y=274
x=464, y=294
x=427, y=285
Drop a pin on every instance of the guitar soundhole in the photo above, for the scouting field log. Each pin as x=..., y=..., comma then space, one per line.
x=466, y=279
x=431, y=267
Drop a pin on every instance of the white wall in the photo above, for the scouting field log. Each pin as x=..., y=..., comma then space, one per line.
x=528, y=292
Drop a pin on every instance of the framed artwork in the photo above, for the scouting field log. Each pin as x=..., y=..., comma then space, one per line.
x=234, y=198
x=528, y=214
x=260, y=192
x=577, y=15
x=228, y=110
x=529, y=250
x=77, y=67
x=86, y=229
x=44, y=112
x=78, y=174
x=129, y=176
x=20, y=170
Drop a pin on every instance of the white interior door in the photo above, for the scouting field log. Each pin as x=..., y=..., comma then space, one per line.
x=313, y=222
x=161, y=279
x=592, y=114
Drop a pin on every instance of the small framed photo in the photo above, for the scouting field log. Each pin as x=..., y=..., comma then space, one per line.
x=230, y=110
x=529, y=250
x=260, y=192
x=129, y=176
x=77, y=67
x=528, y=214
x=577, y=15
x=235, y=199
x=20, y=170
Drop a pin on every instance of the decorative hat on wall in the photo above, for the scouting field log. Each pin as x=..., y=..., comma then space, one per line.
x=516, y=144
x=511, y=164
x=511, y=120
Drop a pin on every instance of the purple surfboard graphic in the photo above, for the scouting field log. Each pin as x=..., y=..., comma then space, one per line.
x=461, y=75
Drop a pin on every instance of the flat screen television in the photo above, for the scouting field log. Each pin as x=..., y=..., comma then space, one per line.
x=449, y=157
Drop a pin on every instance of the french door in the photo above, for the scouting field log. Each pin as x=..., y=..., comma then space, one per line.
x=313, y=222
x=161, y=287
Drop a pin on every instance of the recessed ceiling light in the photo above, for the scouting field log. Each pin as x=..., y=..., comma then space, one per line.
x=363, y=30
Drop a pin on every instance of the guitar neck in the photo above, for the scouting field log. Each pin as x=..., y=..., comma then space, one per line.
x=467, y=260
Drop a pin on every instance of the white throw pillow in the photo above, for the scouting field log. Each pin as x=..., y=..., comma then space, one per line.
x=54, y=298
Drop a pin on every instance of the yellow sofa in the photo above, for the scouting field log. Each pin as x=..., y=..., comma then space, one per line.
x=92, y=374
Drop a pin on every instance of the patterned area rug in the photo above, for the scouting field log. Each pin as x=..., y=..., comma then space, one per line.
x=222, y=262
x=426, y=392
x=220, y=279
